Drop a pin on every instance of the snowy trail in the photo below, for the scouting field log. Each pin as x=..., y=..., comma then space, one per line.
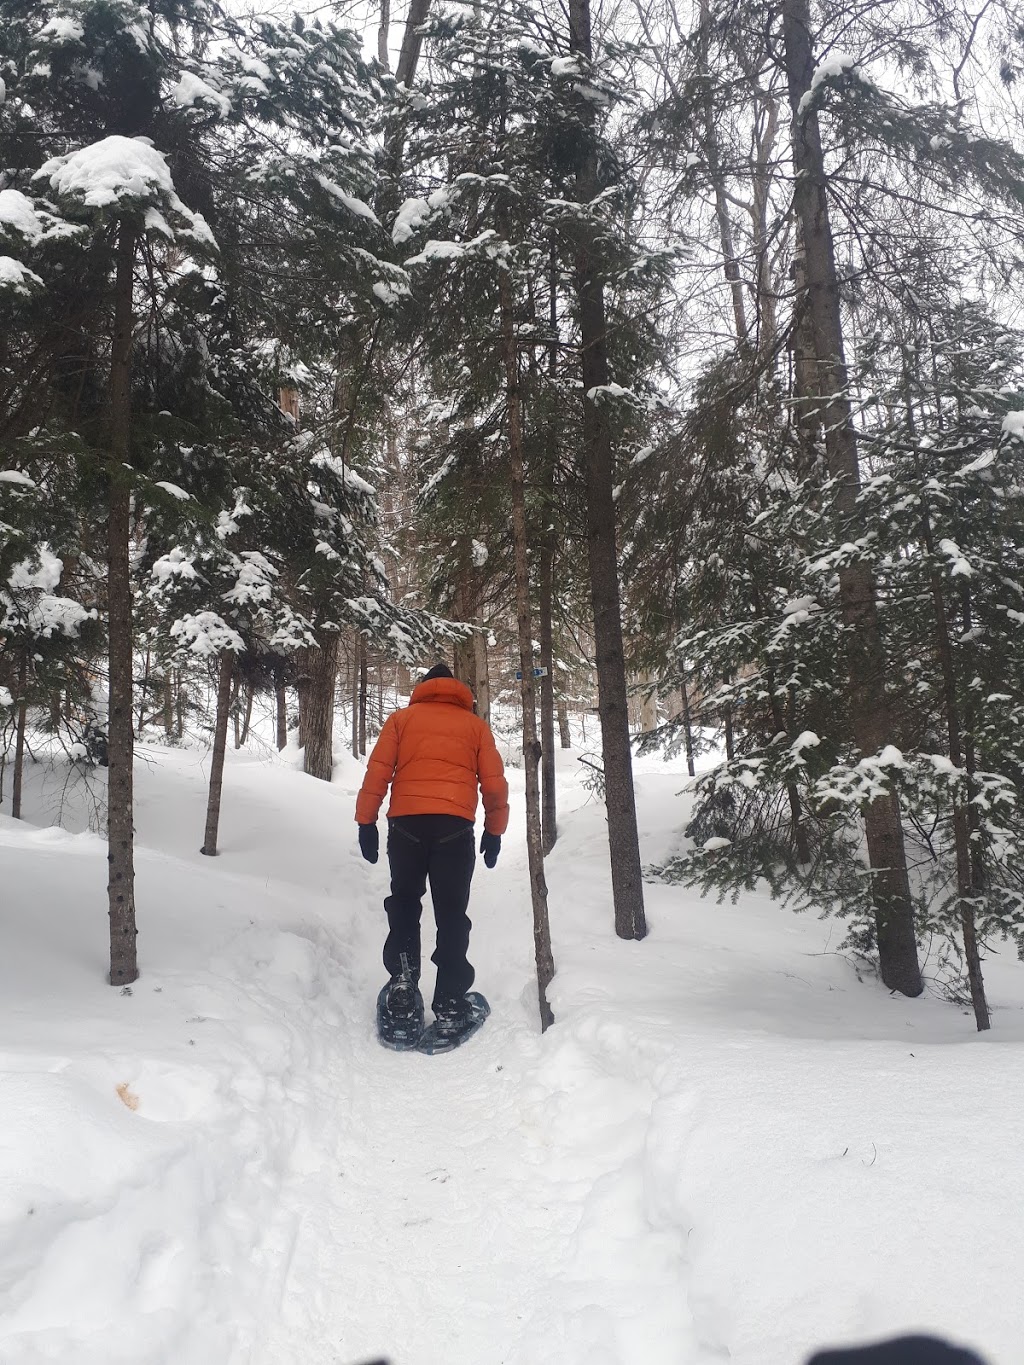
x=728, y=1148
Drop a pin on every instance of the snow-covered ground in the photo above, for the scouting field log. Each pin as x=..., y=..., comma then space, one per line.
x=728, y=1147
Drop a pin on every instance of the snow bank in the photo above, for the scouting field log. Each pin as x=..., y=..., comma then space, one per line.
x=730, y=1146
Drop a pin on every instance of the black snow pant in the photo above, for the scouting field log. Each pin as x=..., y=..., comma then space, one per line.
x=440, y=849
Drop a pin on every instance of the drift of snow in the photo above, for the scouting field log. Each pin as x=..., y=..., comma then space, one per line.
x=730, y=1146
x=15, y=476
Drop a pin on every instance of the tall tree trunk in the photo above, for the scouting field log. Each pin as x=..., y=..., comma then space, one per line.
x=531, y=745
x=872, y=730
x=362, y=699
x=169, y=702
x=318, y=706
x=250, y=697
x=281, y=697
x=623, y=838
x=236, y=715
x=382, y=32
x=120, y=730
x=546, y=592
x=687, y=727
x=716, y=176
x=354, y=692
x=483, y=682
x=968, y=885
x=549, y=806
x=144, y=692
x=19, y=743
x=220, y=744
x=412, y=41
x=564, y=733
x=181, y=704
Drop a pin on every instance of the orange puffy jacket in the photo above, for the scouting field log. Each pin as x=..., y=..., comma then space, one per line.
x=433, y=753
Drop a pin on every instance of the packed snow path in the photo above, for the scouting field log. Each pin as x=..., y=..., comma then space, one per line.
x=728, y=1148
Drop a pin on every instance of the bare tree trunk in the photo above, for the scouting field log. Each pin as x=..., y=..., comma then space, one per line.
x=412, y=41
x=318, y=706
x=531, y=745
x=546, y=592
x=623, y=838
x=181, y=702
x=687, y=726
x=19, y=743
x=120, y=728
x=549, y=805
x=967, y=884
x=564, y=733
x=382, y=32
x=250, y=696
x=872, y=729
x=712, y=154
x=220, y=744
x=354, y=692
x=483, y=682
x=169, y=703
x=144, y=692
x=281, y=697
x=362, y=699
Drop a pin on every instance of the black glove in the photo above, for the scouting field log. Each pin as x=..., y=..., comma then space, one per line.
x=490, y=847
x=369, y=842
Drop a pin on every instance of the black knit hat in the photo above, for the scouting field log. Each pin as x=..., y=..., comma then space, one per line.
x=438, y=671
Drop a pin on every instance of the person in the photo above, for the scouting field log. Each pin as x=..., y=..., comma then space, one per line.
x=433, y=754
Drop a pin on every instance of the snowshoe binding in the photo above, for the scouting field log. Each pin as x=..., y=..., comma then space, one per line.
x=454, y=1023
x=400, y=1011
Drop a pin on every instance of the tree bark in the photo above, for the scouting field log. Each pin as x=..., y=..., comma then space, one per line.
x=549, y=804
x=250, y=697
x=318, y=706
x=412, y=41
x=623, y=838
x=687, y=727
x=354, y=693
x=220, y=744
x=967, y=887
x=531, y=745
x=363, y=680
x=483, y=682
x=382, y=32
x=120, y=730
x=169, y=703
x=281, y=696
x=19, y=743
x=872, y=730
x=564, y=733
x=730, y=261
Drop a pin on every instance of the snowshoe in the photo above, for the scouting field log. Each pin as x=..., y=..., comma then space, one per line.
x=454, y=1024
x=400, y=1012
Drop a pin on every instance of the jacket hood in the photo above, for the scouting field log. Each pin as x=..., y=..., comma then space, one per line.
x=443, y=689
